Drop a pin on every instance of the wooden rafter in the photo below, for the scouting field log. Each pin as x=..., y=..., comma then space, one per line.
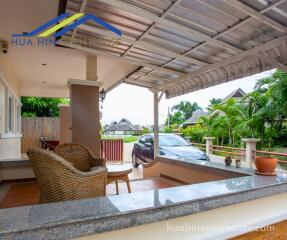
x=123, y=58
x=152, y=17
x=82, y=9
x=235, y=26
x=237, y=51
x=145, y=45
x=257, y=15
x=170, y=8
x=263, y=47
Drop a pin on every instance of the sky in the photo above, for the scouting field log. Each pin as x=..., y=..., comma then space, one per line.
x=136, y=103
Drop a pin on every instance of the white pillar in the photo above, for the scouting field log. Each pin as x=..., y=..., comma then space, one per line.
x=250, y=147
x=155, y=124
x=209, y=141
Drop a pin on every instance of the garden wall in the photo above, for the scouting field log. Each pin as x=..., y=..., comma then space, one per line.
x=34, y=128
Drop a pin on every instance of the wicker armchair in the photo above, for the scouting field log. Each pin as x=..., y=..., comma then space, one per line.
x=60, y=181
x=79, y=156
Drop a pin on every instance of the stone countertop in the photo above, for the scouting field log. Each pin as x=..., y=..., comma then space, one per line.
x=73, y=219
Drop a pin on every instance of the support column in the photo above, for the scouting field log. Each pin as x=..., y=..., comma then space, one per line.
x=155, y=125
x=85, y=114
x=65, y=124
x=209, y=141
x=92, y=68
x=250, y=147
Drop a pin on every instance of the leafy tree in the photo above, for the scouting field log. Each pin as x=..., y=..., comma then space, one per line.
x=40, y=106
x=176, y=118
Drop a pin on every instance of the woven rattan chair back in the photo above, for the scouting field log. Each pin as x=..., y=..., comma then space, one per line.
x=78, y=155
x=60, y=181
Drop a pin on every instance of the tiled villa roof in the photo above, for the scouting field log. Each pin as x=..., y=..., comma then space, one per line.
x=123, y=125
x=238, y=93
x=195, y=116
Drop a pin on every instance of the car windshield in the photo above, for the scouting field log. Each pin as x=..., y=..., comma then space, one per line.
x=172, y=141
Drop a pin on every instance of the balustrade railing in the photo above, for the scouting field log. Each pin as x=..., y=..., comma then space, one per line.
x=279, y=155
x=232, y=151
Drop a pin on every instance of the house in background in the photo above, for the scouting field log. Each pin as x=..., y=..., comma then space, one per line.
x=123, y=127
x=236, y=94
x=194, y=118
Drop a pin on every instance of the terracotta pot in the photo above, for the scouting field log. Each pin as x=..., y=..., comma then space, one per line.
x=266, y=164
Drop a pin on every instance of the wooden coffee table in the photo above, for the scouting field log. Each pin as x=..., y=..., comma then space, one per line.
x=116, y=173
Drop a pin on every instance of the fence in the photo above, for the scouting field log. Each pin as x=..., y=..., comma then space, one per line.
x=247, y=154
x=34, y=128
x=112, y=150
x=229, y=151
x=276, y=154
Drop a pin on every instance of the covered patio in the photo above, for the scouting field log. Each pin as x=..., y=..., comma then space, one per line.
x=171, y=47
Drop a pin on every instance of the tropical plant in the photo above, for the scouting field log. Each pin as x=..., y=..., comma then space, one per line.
x=196, y=132
x=176, y=118
x=215, y=101
x=260, y=114
x=40, y=106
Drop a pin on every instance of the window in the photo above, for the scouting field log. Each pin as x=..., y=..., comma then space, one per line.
x=172, y=141
x=18, y=117
x=149, y=139
x=143, y=139
x=10, y=113
x=12, y=121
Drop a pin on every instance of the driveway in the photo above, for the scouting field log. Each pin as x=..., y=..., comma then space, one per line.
x=128, y=148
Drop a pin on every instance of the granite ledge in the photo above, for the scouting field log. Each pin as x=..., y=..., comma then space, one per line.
x=73, y=219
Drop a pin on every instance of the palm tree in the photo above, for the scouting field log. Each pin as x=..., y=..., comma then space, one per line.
x=186, y=108
x=230, y=109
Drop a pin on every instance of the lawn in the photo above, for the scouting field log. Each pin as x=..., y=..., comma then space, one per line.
x=127, y=139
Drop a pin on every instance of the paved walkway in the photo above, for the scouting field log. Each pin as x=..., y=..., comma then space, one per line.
x=128, y=148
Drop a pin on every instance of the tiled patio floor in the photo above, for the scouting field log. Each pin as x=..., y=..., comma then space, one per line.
x=27, y=193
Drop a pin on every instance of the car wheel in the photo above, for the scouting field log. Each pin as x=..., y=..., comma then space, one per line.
x=134, y=161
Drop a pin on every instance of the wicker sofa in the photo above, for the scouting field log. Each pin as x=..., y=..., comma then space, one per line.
x=59, y=180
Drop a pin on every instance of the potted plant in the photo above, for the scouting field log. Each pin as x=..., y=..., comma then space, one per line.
x=238, y=163
x=265, y=165
x=228, y=161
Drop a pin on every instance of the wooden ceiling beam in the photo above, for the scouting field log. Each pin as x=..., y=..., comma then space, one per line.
x=82, y=9
x=152, y=17
x=144, y=45
x=105, y=53
x=241, y=23
x=253, y=51
x=172, y=6
x=257, y=15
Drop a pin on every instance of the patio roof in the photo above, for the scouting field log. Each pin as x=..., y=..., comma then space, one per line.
x=182, y=46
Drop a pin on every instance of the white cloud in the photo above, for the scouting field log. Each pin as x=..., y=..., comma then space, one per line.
x=136, y=103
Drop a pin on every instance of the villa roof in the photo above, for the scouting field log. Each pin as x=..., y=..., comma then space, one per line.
x=123, y=125
x=186, y=45
x=195, y=116
x=237, y=93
